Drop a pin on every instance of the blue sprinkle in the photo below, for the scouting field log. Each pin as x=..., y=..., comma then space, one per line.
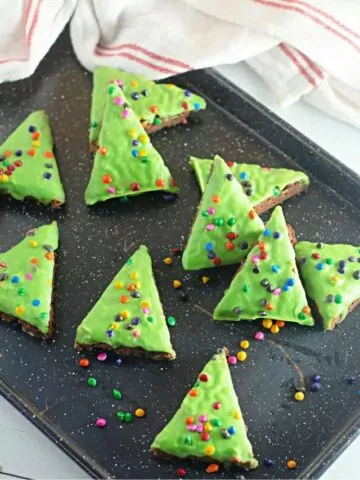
x=232, y=430
x=320, y=266
x=18, y=153
x=291, y=282
x=15, y=279
x=187, y=93
x=118, y=362
x=275, y=268
x=109, y=333
x=211, y=255
x=285, y=288
x=276, y=235
x=134, y=153
x=47, y=176
x=197, y=106
x=244, y=175
x=267, y=232
x=209, y=246
x=36, y=303
x=32, y=129
x=135, y=142
x=341, y=270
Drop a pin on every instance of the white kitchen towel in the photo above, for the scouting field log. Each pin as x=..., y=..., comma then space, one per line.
x=302, y=48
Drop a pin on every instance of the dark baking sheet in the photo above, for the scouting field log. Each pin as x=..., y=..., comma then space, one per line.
x=43, y=379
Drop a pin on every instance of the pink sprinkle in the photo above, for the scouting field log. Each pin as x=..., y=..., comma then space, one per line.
x=120, y=82
x=118, y=101
x=136, y=333
x=29, y=276
x=199, y=428
x=211, y=210
x=277, y=291
x=125, y=113
x=191, y=427
x=102, y=357
x=232, y=360
x=146, y=310
x=210, y=227
x=101, y=422
x=203, y=418
x=259, y=336
x=111, y=190
x=255, y=259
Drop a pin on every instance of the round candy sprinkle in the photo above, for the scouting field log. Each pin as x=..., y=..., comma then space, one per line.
x=316, y=378
x=291, y=464
x=213, y=467
x=177, y=284
x=84, y=363
x=128, y=417
x=259, y=336
x=217, y=405
x=120, y=415
x=244, y=344
x=181, y=472
x=203, y=377
x=171, y=321
x=315, y=387
x=116, y=394
x=350, y=380
x=118, y=362
x=101, y=422
x=268, y=462
x=168, y=261
x=102, y=357
x=232, y=360
x=267, y=323
x=232, y=430
x=139, y=412
x=203, y=418
x=241, y=356
x=299, y=396
x=280, y=323
x=275, y=329
x=91, y=382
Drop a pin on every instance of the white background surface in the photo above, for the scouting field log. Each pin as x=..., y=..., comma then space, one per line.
x=25, y=451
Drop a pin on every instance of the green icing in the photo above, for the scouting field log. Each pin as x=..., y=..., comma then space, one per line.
x=126, y=163
x=332, y=285
x=225, y=227
x=271, y=260
x=259, y=183
x=212, y=406
x=26, y=277
x=129, y=312
x=27, y=165
x=143, y=95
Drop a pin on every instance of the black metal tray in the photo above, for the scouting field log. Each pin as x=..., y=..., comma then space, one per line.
x=44, y=381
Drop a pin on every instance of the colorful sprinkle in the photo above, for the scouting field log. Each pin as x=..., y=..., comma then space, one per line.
x=139, y=412
x=241, y=356
x=299, y=396
x=177, y=284
x=171, y=321
x=168, y=261
x=116, y=394
x=84, y=362
x=101, y=422
x=92, y=382
x=291, y=464
x=232, y=360
x=102, y=357
x=244, y=344
x=213, y=467
x=259, y=336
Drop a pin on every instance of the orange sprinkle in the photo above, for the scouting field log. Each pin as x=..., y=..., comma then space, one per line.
x=230, y=246
x=35, y=261
x=106, y=179
x=131, y=287
x=49, y=256
x=49, y=155
x=193, y=393
x=154, y=109
x=84, y=362
x=160, y=182
x=262, y=245
x=8, y=153
x=189, y=420
x=102, y=150
x=35, y=136
x=31, y=152
x=20, y=310
x=119, y=285
x=268, y=307
x=280, y=323
x=252, y=214
x=134, y=83
x=212, y=468
x=124, y=299
x=307, y=310
x=215, y=198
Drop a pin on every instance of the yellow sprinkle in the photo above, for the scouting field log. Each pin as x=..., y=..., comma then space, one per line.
x=125, y=314
x=138, y=284
x=241, y=356
x=205, y=280
x=133, y=134
x=177, y=284
x=20, y=310
x=170, y=85
x=299, y=396
x=145, y=304
x=144, y=138
x=134, y=83
x=274, y=329
x=209, y=450
x=237, y=415
x=139, y=412
x=50, y=282
x=244, y=344
x=267, y=323
x=168, y=261
x=4, y=178
x=33, y=243
x=133, y=276
x=142, y=154
x=115, y=326
x=291, y=464
x=207, y=427
x=36, y=143
x=119, y=285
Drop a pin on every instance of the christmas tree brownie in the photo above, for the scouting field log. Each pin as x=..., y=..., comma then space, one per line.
x=208, y=425
x=128, y=318
x=28, y=167
x=125, y=163
x=331, y=275
x=26, y=281
x=268, y=284
x=226, y=226
x=265, y=187
x=155, y=105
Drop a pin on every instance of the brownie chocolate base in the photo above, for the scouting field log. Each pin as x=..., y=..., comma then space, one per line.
x=29, y=328
x=136, y=351
x=289, y=191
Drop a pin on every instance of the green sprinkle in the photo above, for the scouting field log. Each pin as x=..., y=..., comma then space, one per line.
x=302, y=316
x=129, y=261
x=128, y=417
x=6, y=163
x=93, y=124
x=120, y=415
x=21, y=291
x=338, y=299
x=116, y=394
x=124, y=199
x=43, y=315
x=187, y=440
x=196, y=384
x=276, y=191
x=91, y=382
x=111, y=89
x=215, y=422
x=219, y=222
x=171, y=321
x=245, y=288
x=144, y=159
x=231, y=221
x=150, y=319
x=205, y=213
x=157, y=121
x=329, y=261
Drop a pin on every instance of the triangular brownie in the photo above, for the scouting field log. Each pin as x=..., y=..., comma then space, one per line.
x=267, y=284
x=331, y=275
x=28, y=167
x=156, y=105
x=265, y=187
x=26, y=281
x=128, y=318
x=226, y=226
x=125, y=163
x=208, y=425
